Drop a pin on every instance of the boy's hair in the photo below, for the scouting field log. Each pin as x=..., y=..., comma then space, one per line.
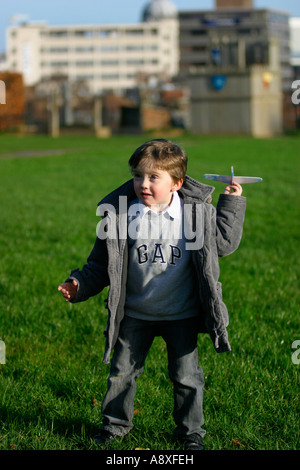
x=163, y=155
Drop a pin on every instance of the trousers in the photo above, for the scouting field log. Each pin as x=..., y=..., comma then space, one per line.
x=130, y=352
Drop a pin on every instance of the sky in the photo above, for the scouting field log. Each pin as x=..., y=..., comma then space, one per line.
x=64, y=12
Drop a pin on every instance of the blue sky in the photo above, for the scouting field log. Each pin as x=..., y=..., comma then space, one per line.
x=58, y=12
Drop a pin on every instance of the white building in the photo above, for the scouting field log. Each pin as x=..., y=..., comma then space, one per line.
x=295, y=41
x=107, y=57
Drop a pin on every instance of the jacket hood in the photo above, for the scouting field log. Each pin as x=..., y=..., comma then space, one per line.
x=191, y=189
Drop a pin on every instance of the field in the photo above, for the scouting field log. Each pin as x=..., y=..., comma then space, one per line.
x=53, y=381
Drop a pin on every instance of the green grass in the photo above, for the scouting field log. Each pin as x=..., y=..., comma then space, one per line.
x=53, y=381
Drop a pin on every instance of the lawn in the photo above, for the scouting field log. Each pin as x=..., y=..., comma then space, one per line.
x=53, y=381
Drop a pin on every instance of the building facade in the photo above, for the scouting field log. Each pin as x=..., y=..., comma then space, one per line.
x=236, y=37
x=237, y=101
x=107, y=57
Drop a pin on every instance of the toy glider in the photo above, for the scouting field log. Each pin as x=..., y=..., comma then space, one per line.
x=233, y=178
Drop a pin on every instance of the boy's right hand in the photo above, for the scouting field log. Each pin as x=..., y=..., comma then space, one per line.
x=68, y=290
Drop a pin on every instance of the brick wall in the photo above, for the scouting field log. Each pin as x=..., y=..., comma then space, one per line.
x=155, y=118
x=12, y=112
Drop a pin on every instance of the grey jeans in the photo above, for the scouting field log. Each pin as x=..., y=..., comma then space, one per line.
x=134, y=341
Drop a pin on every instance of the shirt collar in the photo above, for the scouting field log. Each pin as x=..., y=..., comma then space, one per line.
x=174, y=209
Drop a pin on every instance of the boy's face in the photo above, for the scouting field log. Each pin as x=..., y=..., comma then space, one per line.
x=154, y=187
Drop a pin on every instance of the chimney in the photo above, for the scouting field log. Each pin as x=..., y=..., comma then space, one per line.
x=234, y=4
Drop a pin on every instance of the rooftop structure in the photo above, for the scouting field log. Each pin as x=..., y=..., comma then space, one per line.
x=234, y=4
x=159, y=9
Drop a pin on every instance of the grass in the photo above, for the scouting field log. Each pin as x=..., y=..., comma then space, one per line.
x=53, y=381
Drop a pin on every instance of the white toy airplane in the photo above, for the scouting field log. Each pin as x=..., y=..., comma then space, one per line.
x=232, y=178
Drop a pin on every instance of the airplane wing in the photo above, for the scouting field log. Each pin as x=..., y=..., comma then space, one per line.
x=221, y=178
x=230, y=179
x=237, y=179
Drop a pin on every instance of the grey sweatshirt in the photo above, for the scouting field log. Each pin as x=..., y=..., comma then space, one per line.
x=161, y=282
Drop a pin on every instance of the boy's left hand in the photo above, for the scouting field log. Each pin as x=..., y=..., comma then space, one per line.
x=235, y=189
x=69, y=290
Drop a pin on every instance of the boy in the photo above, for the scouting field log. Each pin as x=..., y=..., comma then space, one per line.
x=162, y=271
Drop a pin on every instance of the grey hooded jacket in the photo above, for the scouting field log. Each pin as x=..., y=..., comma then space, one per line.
x=216, y=231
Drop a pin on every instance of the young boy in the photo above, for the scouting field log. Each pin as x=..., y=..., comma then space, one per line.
x=162, y=271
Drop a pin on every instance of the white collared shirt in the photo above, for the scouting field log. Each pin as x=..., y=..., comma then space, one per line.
x=174, y=209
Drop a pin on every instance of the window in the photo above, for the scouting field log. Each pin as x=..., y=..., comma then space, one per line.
x=198, y=32
x=55, y=50
x=107, y=32
x=134, y=32
x=110, y=76
x=58, y=64
x=58, y=34
x=199, y=48
x=109, y=62
x=134, y=47
x=84, y=77
x=134, y=62
x=84, y=49
x=108, y=48
x=84, y=63
x=84, y=33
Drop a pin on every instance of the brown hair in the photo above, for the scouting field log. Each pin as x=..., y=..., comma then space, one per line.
x=164, y=155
